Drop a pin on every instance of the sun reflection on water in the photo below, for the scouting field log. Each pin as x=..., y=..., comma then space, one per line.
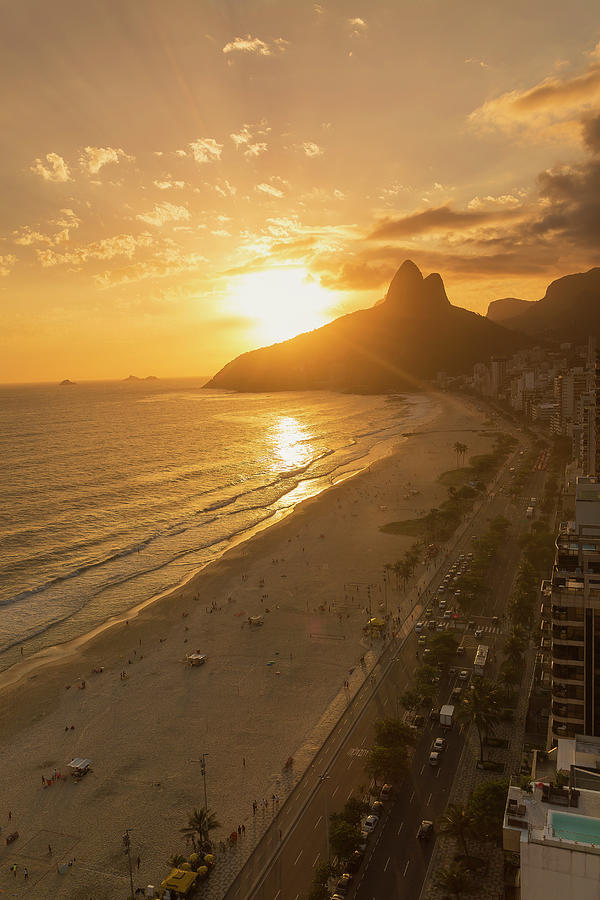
x=291, y=444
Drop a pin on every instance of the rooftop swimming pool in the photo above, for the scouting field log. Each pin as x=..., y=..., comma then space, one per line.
x=575, y=828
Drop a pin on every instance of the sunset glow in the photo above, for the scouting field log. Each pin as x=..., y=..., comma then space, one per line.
x=309, y=148
x=281, y=302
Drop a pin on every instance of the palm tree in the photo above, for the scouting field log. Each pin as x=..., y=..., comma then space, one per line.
x=175, y=860
x=480, y=708
x=200, y=823
x=455, y=879
x=457, y=448
x=463, y=452
x=458, y=822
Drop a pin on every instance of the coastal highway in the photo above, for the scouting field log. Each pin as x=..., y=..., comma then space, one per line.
x=282, y=866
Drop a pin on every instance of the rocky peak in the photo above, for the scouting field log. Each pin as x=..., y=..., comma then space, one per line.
x=411, y=294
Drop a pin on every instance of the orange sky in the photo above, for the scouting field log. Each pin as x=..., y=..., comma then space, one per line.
x=182, y=182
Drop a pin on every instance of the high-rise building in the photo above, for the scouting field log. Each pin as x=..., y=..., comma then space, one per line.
x=575, y=618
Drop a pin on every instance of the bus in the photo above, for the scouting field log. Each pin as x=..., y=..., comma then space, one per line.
x=480, y=659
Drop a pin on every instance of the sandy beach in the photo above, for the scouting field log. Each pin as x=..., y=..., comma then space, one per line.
x=264, y=694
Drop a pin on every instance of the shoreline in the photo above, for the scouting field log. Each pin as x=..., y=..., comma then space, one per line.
x=51, y=653
x=263, y=695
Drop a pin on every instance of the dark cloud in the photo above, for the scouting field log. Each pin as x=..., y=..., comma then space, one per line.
x=571, y=210
x=591, y=133
x=443, y=217
x=553, y=92
x=359, y=276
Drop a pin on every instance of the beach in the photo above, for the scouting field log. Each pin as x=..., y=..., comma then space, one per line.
x=265, y=693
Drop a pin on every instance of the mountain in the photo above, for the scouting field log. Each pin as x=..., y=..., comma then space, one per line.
x=395, y=345
x=506, y=308
x=569, y=310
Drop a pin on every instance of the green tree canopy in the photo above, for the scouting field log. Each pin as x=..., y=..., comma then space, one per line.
x=455, y=880
x=344, y=837
x=458, y=822
x=487, y=806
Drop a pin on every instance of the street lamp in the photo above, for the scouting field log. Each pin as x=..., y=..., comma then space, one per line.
x=202, y=762
x=127, y=850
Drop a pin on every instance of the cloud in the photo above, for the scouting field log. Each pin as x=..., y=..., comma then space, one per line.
x=92, y=159
x=66, y=221
x=269, y=189
x=6, y=263
x=442, y=218
x=591, y=133
x=309, y=148
x=206, y=150
x=225, y=188
x=247, y=138
x=476, y=62
x=549, y=110
x=163, y=213
x=503, y=201
x=358, y=23
x=107, y=248
x=255, y=46
x=167, y=261
x=55, y=168
x=167, y=184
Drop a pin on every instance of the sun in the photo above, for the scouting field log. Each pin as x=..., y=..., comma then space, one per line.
x=281, y=302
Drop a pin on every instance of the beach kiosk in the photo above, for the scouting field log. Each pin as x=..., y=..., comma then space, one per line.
x=196, y=659
x=79, y=766
x=180, y=882
x=375, y=627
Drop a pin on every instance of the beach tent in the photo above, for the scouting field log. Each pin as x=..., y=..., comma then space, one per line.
x=80, y=765
x=179, y=882
x=196, y=659
x=376, y=623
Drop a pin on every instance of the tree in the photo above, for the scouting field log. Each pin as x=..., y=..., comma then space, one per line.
x=200, y=823
x=175, y=860
x=480, y=708
x=393, y=733
x=410, y=699
x=354, y=810
x=387, y=763
x=458, y=822
x=443, y=647
x=487, y=806
x=455, y=879
x=344, y=836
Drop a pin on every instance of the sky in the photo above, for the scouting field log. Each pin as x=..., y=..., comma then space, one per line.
x=185, y=181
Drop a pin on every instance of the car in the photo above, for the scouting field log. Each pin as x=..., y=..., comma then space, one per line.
x=337, y=896
x=441, y=626
x=460, y=651
x=431, y=624
x=448, y=614
x=434, y=758
x=344, y=883
x=422, y=640
x=463, y=675
x=419, y=627
x=425, y=830
x=441, y=589
x=370, y=824
x=455, y=695
x=386, y=792
x=471, y=624
x=419, y=721
x=377, y=808
x=439, y=745
x=364, y=837
x=434, y=714
x=495, y=620
x=442, y=604
x=427, y=652
x=478, y=632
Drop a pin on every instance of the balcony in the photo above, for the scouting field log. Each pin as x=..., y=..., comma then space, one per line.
x=567, y=673
x=564, y=614
x=570, y=653
x=567, y=713
x=567, y=634
x=561, y=729
x=567, y=692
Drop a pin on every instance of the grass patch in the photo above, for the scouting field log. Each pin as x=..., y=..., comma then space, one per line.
x=455, y=477
x=409, y=527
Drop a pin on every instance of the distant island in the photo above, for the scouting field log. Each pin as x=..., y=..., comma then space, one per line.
x=136, y=378
x=67, y=382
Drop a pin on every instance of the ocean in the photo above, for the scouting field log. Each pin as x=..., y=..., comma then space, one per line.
x=114, y=492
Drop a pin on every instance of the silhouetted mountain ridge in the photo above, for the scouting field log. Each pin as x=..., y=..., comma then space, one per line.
x=569, y=310
x=395, y=345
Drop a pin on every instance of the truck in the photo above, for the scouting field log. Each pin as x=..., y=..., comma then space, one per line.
x=446, y=715
x=529, y=512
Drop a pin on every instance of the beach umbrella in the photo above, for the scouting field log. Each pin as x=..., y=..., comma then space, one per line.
x=271, y=662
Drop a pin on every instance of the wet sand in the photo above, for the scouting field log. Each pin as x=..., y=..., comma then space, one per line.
x=264, y=694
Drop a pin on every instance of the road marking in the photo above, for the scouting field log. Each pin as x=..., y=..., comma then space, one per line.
x=400, y=829
x=298, y=857
x=412, y=797
x=429, y=801
x=437, y=774
x=320, y=819
x=336, y=790
x=385, y=701
x=422, y=767
x=387, y=864
x=349, y=795
x=316, y=860
x=406, y=867
x=277, y=894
